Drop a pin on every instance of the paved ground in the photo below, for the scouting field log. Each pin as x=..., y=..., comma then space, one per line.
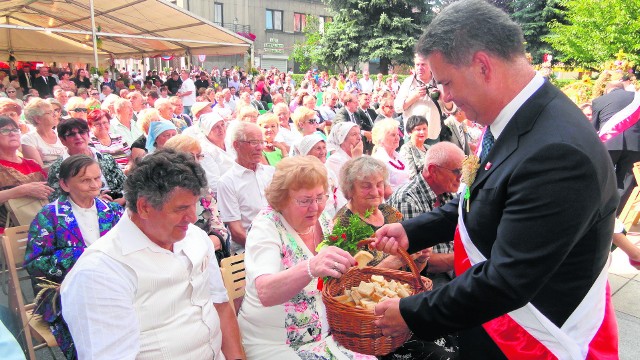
x=625, y=286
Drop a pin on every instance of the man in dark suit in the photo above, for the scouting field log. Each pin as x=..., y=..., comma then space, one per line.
x=25, y=78
x=623, y=144
x=532, y=238
x=351, y=112
x=367, y=117
x=44, y=83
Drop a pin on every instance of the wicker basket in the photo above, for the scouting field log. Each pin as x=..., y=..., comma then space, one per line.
x=354, y=328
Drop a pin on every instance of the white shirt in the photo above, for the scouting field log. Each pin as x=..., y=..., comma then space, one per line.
x=87, y=222
x=129, y=135
x=128, y=298
x=398, y=174
x=508, y=111
x=423, y=106
x=366, y=85
x=337, y=159
x=327, y=112
x=241, y=193
x=49, y=153
x=215, y=162
x=288, y=136
x=188, y=85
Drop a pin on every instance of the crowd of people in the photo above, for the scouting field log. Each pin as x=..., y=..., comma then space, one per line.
x=152, y=182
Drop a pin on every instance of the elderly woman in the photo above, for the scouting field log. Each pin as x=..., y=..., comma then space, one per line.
x=386, y=140
x=273, y=151
x=139, y=146
x=217, y=160
x=414, y=151
x=106, y=142
x=344, y=143
x=305, y=120
x=282, y=315
x=62, y=230
x=12, y=110
x=19, y=177
x=74, y=135
x=57, y=108
x=76, y=108
x=315, y=146
x=43, y=144
x=207, y=206
x=159, y=133
x=12, y=93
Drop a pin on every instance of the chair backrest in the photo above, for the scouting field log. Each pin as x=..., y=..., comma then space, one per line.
x=233, y=275
x=14, y=245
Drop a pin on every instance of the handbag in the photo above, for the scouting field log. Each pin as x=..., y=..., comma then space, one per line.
x=22, y=210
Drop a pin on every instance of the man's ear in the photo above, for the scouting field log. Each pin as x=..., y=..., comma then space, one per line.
x=143, y=206
x=482, y=64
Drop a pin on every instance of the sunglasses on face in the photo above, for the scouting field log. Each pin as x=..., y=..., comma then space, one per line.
x=79, y=110
x=74, y=133
x=312, y=121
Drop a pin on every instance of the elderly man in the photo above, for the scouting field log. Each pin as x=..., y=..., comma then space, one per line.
x=241, y=189
x=123, y=123
x=257, y=101
x=187, y=91
x=329, y=107
x=138, y=102
x=435, y=186
x=366, y=83
x=531, y=250
x=44, y=83
x=151, y=288
x=351, y=113
x=228, y=101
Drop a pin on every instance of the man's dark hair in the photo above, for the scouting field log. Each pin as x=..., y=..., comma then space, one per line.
x=156, y=175
x=468, y=26
x=67, y=125
x=154, y=94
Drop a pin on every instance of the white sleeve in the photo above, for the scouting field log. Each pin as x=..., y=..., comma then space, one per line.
x=403, y=93
x=29, y=139
x=97, y=304
x=262, y=249
x=228, y=201
x=211, y=170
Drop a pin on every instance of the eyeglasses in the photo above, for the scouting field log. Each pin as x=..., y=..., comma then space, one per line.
x=57, y=110
x=456, y=172
x=253, y=142
x=6, y=131
x=79, y=110
x=320, y=200
x=95, y=94
x=312, y=121
x=387, y=107
x=74, y=133
x=198, y=157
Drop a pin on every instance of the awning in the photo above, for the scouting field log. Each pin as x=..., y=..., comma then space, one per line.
x=60, y=30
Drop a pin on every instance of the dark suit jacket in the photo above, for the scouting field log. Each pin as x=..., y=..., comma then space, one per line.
x=542, y=215
x=44, y=89
x=604, y=108
x=22, y=79
x=456, y=138
x=362, y=121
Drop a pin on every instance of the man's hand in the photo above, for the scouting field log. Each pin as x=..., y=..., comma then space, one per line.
x=390, y=237
x=367, y=135
x=392, y=323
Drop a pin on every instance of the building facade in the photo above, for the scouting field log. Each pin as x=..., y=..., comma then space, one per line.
x=276, y=24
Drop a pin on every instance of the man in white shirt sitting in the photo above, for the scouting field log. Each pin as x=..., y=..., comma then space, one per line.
x=241, y=189
x=151, y=288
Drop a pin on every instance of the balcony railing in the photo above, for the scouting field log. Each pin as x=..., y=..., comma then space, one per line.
x=237, y=28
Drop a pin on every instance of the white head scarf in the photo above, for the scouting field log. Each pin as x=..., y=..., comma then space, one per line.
x=338, y=133
x=306, y=144
x=208, y=121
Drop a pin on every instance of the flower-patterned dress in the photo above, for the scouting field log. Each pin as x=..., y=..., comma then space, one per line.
x=298, y=328
x=55, y=244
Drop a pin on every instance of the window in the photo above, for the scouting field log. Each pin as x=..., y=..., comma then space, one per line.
x=274, y=20
x=323, y=20
x=299, y=22
x=217, y=14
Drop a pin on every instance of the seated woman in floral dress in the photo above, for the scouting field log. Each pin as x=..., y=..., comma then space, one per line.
x=62, y=230
x=283, y=316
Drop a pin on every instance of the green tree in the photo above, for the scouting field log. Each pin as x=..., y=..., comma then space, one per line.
x=533, y=17
x=362, y=30
x=307, y=53
x=596, y=30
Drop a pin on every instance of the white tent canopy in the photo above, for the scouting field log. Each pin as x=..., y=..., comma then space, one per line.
x=60, y=30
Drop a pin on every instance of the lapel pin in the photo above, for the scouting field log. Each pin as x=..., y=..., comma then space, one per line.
x=488, y=166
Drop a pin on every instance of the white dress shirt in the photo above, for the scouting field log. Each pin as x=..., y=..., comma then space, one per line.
x=128, y=298
x=87, y=222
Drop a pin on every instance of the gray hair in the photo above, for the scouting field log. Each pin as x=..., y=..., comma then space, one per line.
x=156, y=175
x=440, y=153
x=35, y=108
x=360, y=168
x=279, y=106
x=468, y=26
x=162, y=103
x=241, y=130
x=120, y=103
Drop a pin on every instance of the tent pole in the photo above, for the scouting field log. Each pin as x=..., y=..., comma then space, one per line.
x=93, y=35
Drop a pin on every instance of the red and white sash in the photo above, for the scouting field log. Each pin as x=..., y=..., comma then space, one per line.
x=621, y=121
x=590, y=332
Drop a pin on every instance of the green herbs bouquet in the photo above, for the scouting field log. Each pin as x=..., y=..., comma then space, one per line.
x=347, y=237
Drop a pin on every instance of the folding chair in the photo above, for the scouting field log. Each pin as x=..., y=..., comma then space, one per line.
x=233, y=275
x=14, y=244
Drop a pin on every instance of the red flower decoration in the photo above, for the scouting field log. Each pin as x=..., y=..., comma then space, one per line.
x=333, y=238
x=344, y=236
